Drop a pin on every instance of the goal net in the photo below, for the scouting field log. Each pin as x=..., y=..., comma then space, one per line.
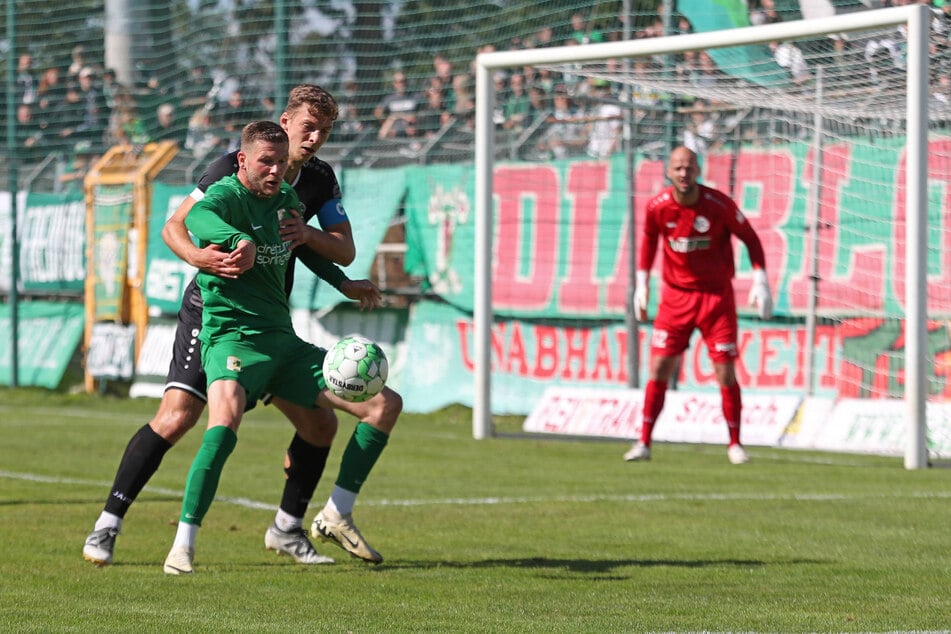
x=833, y=138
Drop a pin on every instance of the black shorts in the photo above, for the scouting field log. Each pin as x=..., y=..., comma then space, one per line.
x=185, y=371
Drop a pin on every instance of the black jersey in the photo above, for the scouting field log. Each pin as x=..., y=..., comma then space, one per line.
x=319, y=193
x=316, y=186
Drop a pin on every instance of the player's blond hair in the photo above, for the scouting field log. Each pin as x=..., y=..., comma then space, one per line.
x=319, y=102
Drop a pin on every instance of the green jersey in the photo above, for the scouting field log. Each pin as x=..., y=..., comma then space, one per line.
x=255, y=302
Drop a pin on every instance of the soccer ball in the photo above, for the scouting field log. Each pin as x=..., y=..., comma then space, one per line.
x=355, y=369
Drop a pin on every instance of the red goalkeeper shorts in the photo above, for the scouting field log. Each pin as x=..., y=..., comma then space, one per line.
x=682, y=311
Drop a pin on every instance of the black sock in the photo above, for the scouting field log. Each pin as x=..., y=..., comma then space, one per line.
x=303, y=467
x=141, y=459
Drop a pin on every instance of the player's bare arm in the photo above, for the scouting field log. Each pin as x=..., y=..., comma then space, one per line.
x=335, y=243
x=211, y=259
x=364, y=292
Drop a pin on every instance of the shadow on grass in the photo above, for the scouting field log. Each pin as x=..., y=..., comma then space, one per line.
x=589, y=566
x=594, y=567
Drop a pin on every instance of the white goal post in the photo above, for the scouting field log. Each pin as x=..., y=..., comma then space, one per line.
x=915, y=20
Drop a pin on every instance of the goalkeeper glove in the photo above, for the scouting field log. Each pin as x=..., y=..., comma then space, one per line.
x=641, y=295
x=760, y=296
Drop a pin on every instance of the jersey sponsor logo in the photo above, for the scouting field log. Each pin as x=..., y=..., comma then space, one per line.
x=271, y=254
x=686, y=245
x=233, y=364
x=701, y=224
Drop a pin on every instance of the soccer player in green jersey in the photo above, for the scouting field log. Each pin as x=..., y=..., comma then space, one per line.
x=248, y=344
x=308, y=119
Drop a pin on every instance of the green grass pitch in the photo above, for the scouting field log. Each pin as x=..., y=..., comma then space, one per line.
x=499, y=535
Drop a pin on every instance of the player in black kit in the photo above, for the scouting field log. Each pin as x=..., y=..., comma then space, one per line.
x=308, y=119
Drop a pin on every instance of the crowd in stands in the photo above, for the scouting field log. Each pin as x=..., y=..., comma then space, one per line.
x=75, y=112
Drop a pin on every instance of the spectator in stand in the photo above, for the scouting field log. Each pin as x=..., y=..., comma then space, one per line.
x=565, y=134
x=517, y=108
x=77, y=57
x=687, y=67
x=790, y=57
x=123, y=102
x=349, y=123
x=584, y=33
x=442, y=68
x=201, y=138
x=110, y=86
x=500, y=84
x=614, y=29
x=167, y=126
x=460, y=102
x=151, y=93
x=433, y=115
x=544, y=37
x=706, y=77
x=129, y=129
x=396, y=114
x=232, y=117
x=538, y=99
x=654, y=29
x=51, y=92
x=605, y=117
x=193, y=90
x=95, y=114
x=68, y=118
x=700, y=130
x=84, y=155
x=764, y=13
x=545, y=79
x=31, y=144
x=26, y=84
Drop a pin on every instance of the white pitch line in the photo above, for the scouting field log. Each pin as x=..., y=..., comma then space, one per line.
x=497, y=501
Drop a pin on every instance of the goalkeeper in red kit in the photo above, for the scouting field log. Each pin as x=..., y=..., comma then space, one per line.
x=696, y=224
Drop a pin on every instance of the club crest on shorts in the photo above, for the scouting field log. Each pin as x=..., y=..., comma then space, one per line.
x=233, y=364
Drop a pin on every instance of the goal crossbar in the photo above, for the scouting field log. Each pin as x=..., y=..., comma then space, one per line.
x=916, y=20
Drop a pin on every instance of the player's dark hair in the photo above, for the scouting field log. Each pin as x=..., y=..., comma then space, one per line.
x=318, y=101
x=258, y=131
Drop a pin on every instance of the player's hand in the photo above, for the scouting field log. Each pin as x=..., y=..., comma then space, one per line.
x=243, y=255
x=363, y=291
x=760, y=295
x=212, y=259
x=641, y=295
x=293, y=229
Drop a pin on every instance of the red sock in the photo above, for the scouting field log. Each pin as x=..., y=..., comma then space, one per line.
x=654, y=395
x=732, y=407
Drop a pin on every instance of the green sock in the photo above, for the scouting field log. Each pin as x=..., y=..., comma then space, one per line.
x=364, y=448
x=216, y=445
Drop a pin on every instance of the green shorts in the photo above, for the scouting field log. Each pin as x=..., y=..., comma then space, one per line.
x=277, y=363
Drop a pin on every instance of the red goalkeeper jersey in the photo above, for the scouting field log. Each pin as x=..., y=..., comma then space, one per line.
x=698, y=251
